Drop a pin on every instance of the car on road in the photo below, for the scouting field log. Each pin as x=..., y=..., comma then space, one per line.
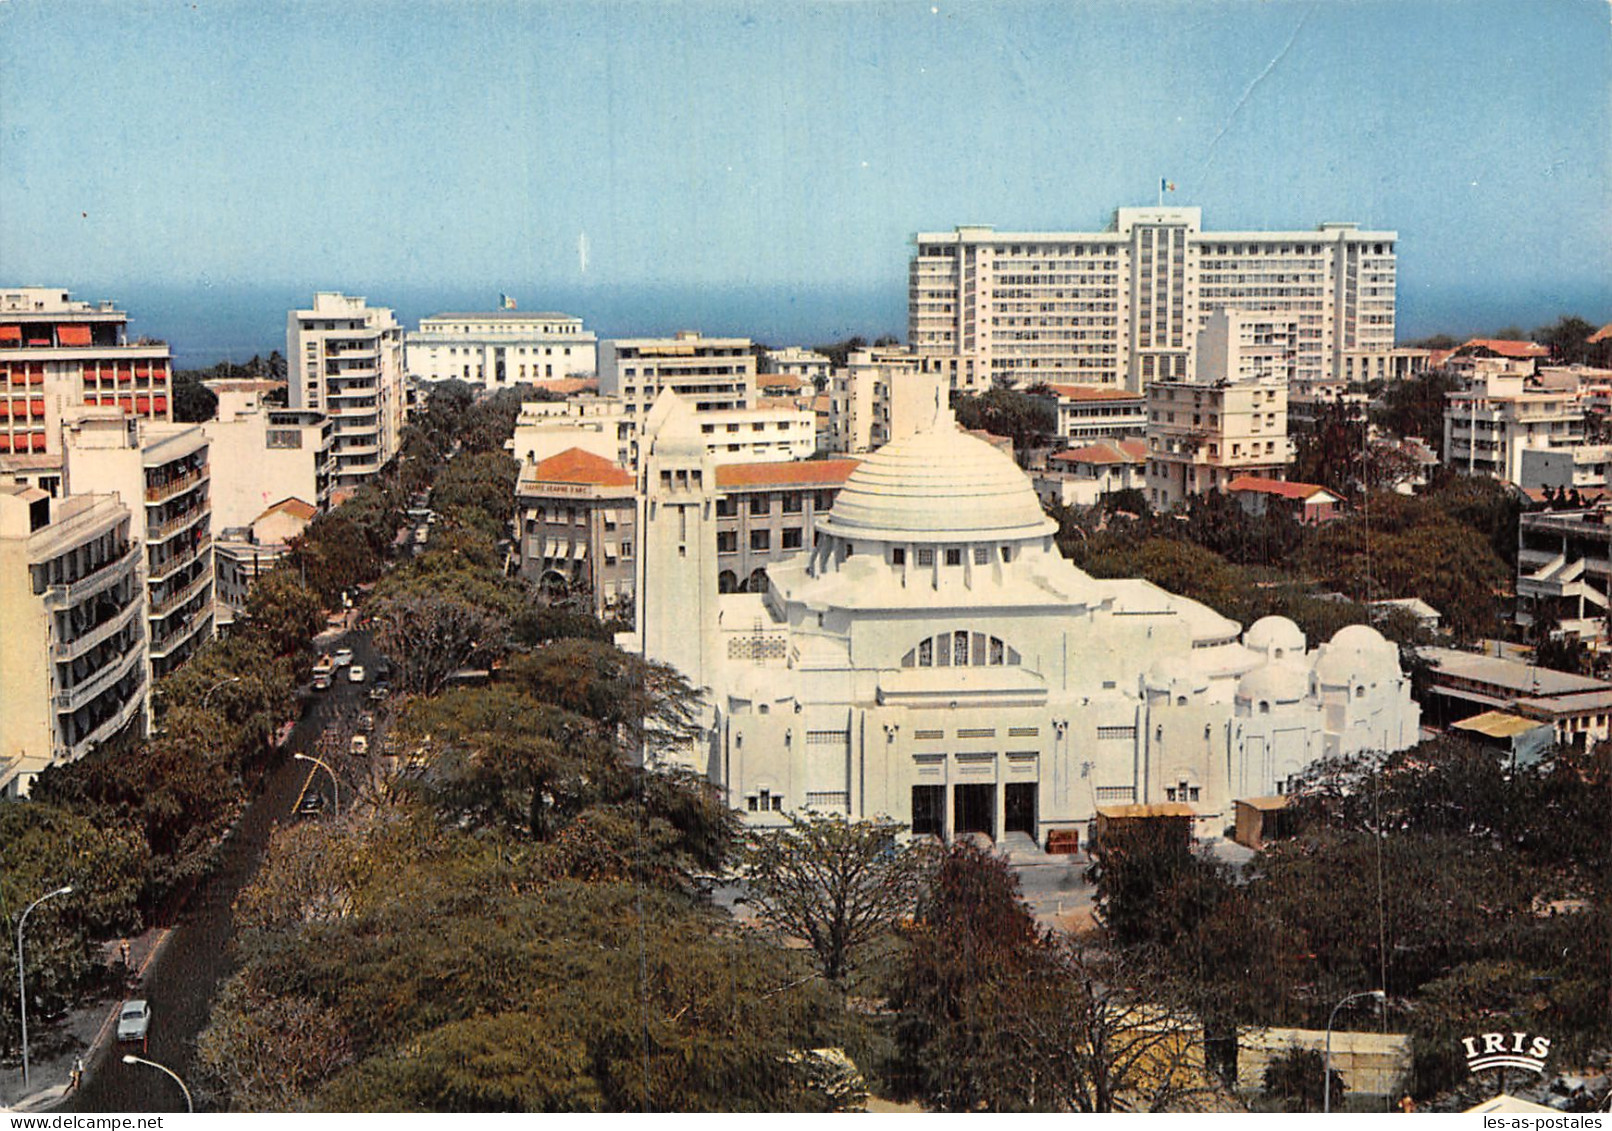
x=383, y=671
x=355, y=674
x=343, y=657
x=359, y=745
x=312, y=804
x=134, y=1020
x=366, y=723
x=379, y=691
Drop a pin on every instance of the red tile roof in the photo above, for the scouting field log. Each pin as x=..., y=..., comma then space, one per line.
x=1505, y=348
x=1127, y=451
x=568, y=386
x=804, y=473
x=1275, y=487
x=1094, y=393
x=577, y=466
x=1602, y=334
x=294, y=507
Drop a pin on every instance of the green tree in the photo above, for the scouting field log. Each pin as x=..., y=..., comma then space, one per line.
x=284, y=613
x=1296, y=1080
x=837, y=884
x=1028, y=421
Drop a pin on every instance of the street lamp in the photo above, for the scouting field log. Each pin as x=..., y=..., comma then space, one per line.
x=1326, y=1069
x=130, y=1058
x=22, y=989
x=208, y=694
x=335, y=785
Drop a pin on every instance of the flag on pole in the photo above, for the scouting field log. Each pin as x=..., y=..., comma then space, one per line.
x=1166, y=186
x=505, y=302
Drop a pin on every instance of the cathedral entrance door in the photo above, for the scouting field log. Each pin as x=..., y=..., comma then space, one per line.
x=1019, y=807
x=975, y=810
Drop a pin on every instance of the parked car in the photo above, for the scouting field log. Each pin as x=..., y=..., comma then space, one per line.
x=355, y=673
x=343, y=657
x=379, y=691
x=312, y=804
x=322, y=671
x=359, y=745
x=134, y=1020
x=366, y=723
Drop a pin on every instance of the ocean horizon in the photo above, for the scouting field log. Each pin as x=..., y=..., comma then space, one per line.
x=207, y=323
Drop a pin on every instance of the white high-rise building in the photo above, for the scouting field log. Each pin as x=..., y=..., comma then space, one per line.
x=709, y=373
x=345, y=359
x=72, y=668
x=499, y=348
x=1124, y=306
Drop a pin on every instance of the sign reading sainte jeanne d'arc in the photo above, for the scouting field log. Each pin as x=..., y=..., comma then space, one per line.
x=1506, y=1050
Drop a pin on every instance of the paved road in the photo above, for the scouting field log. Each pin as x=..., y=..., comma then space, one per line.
x=182, y=981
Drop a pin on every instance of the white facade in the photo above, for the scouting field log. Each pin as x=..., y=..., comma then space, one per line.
x=1231, y=421
x=345, y=359
x=1086, y=414
x=1489, y=426
x=882, y=394
x=72, y=669
x=795, y=361
x=162, y=474
x=935, y=660
x=608, y=426
x=500, y=348
x=260, y=455
x=710, y=373
x=1123, y=307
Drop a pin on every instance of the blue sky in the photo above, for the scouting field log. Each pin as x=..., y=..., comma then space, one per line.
x=459, y=150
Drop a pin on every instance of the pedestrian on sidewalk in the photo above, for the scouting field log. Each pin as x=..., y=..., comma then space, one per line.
x=78, y=1074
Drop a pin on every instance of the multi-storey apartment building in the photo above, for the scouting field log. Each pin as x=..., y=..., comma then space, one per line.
x=1488, y=426
x=243, y=554
x=499, y=348
x=1230, y=421
x=1123, y=307
x=261, y=454
x=1564, y=569
x=73, y=665
x=766, y=512
x=881, y=394
x=345, y=359
x=58, y=354
x=709, y=373
x=161, y=473
x=794, y=361
x=1087, y=414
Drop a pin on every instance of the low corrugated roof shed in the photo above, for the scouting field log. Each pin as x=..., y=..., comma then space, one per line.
x=1265, y=804
x=1499, y=724
x=1287, y=490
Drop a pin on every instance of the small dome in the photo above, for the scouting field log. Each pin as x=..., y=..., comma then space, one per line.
x=938, y=485
x=1268, y=634
x=1175, y=674
x=1364, y=638
x=1342, y=667
x=1275, y=683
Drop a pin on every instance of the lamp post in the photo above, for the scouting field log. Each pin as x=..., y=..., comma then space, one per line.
x=335, y=785
x=1326, y=1069
x=22, y=988
x=208, y=694
x=130, y=1058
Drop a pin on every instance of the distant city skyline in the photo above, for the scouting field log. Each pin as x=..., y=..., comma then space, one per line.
x=760, y=169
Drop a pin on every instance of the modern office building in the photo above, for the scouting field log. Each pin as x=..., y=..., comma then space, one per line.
x=1123, y=307
x=709, y=373
x=345, y=359
x=499, y=348
x=73, y=666
x=58, y=354
x=931, y=658
x=161, y=473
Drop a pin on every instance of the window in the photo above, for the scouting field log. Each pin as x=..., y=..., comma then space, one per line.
x=761, y=539
x=727, y=507
x=727, y=541
x=954, y=556
x=792, y=502
x=898, y=555
x=982, y=555
x=760, y=504
x=792, y=538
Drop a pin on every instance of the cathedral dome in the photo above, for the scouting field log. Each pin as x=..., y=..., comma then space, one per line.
x=1274, y=683
x=1275, y=636
x=938, y=485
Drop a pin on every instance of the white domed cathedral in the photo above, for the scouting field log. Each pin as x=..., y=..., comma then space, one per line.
x=932, y=658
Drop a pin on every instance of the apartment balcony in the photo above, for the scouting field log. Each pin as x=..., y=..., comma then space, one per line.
x=64, y=650
x=172, y=601
x=109, y=726
x=75, y=697
x=64, y=596
x=165, y=530
x=360, y=383
x=164, y=570
x=162, y=491
x=167, y=644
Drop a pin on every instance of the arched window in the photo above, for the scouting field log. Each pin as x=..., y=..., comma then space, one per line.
x=727, y=582
x=961, y=648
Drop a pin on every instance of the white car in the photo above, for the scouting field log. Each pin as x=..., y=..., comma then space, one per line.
x=134, y=1021
x=355, y=674
x=359, y=745
x=343, y=657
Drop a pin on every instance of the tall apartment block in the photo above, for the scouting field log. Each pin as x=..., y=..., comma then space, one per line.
x=500, y=348
x=73, y=663
x=1123, y=307
x=261, y=455
x=881, y=394
x=345, y=359
x=708, y=373
x=58, y=354
x=161, y=474
x=1228, y=421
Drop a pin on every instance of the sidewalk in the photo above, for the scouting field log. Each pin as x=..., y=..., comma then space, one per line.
x=54, y=1046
